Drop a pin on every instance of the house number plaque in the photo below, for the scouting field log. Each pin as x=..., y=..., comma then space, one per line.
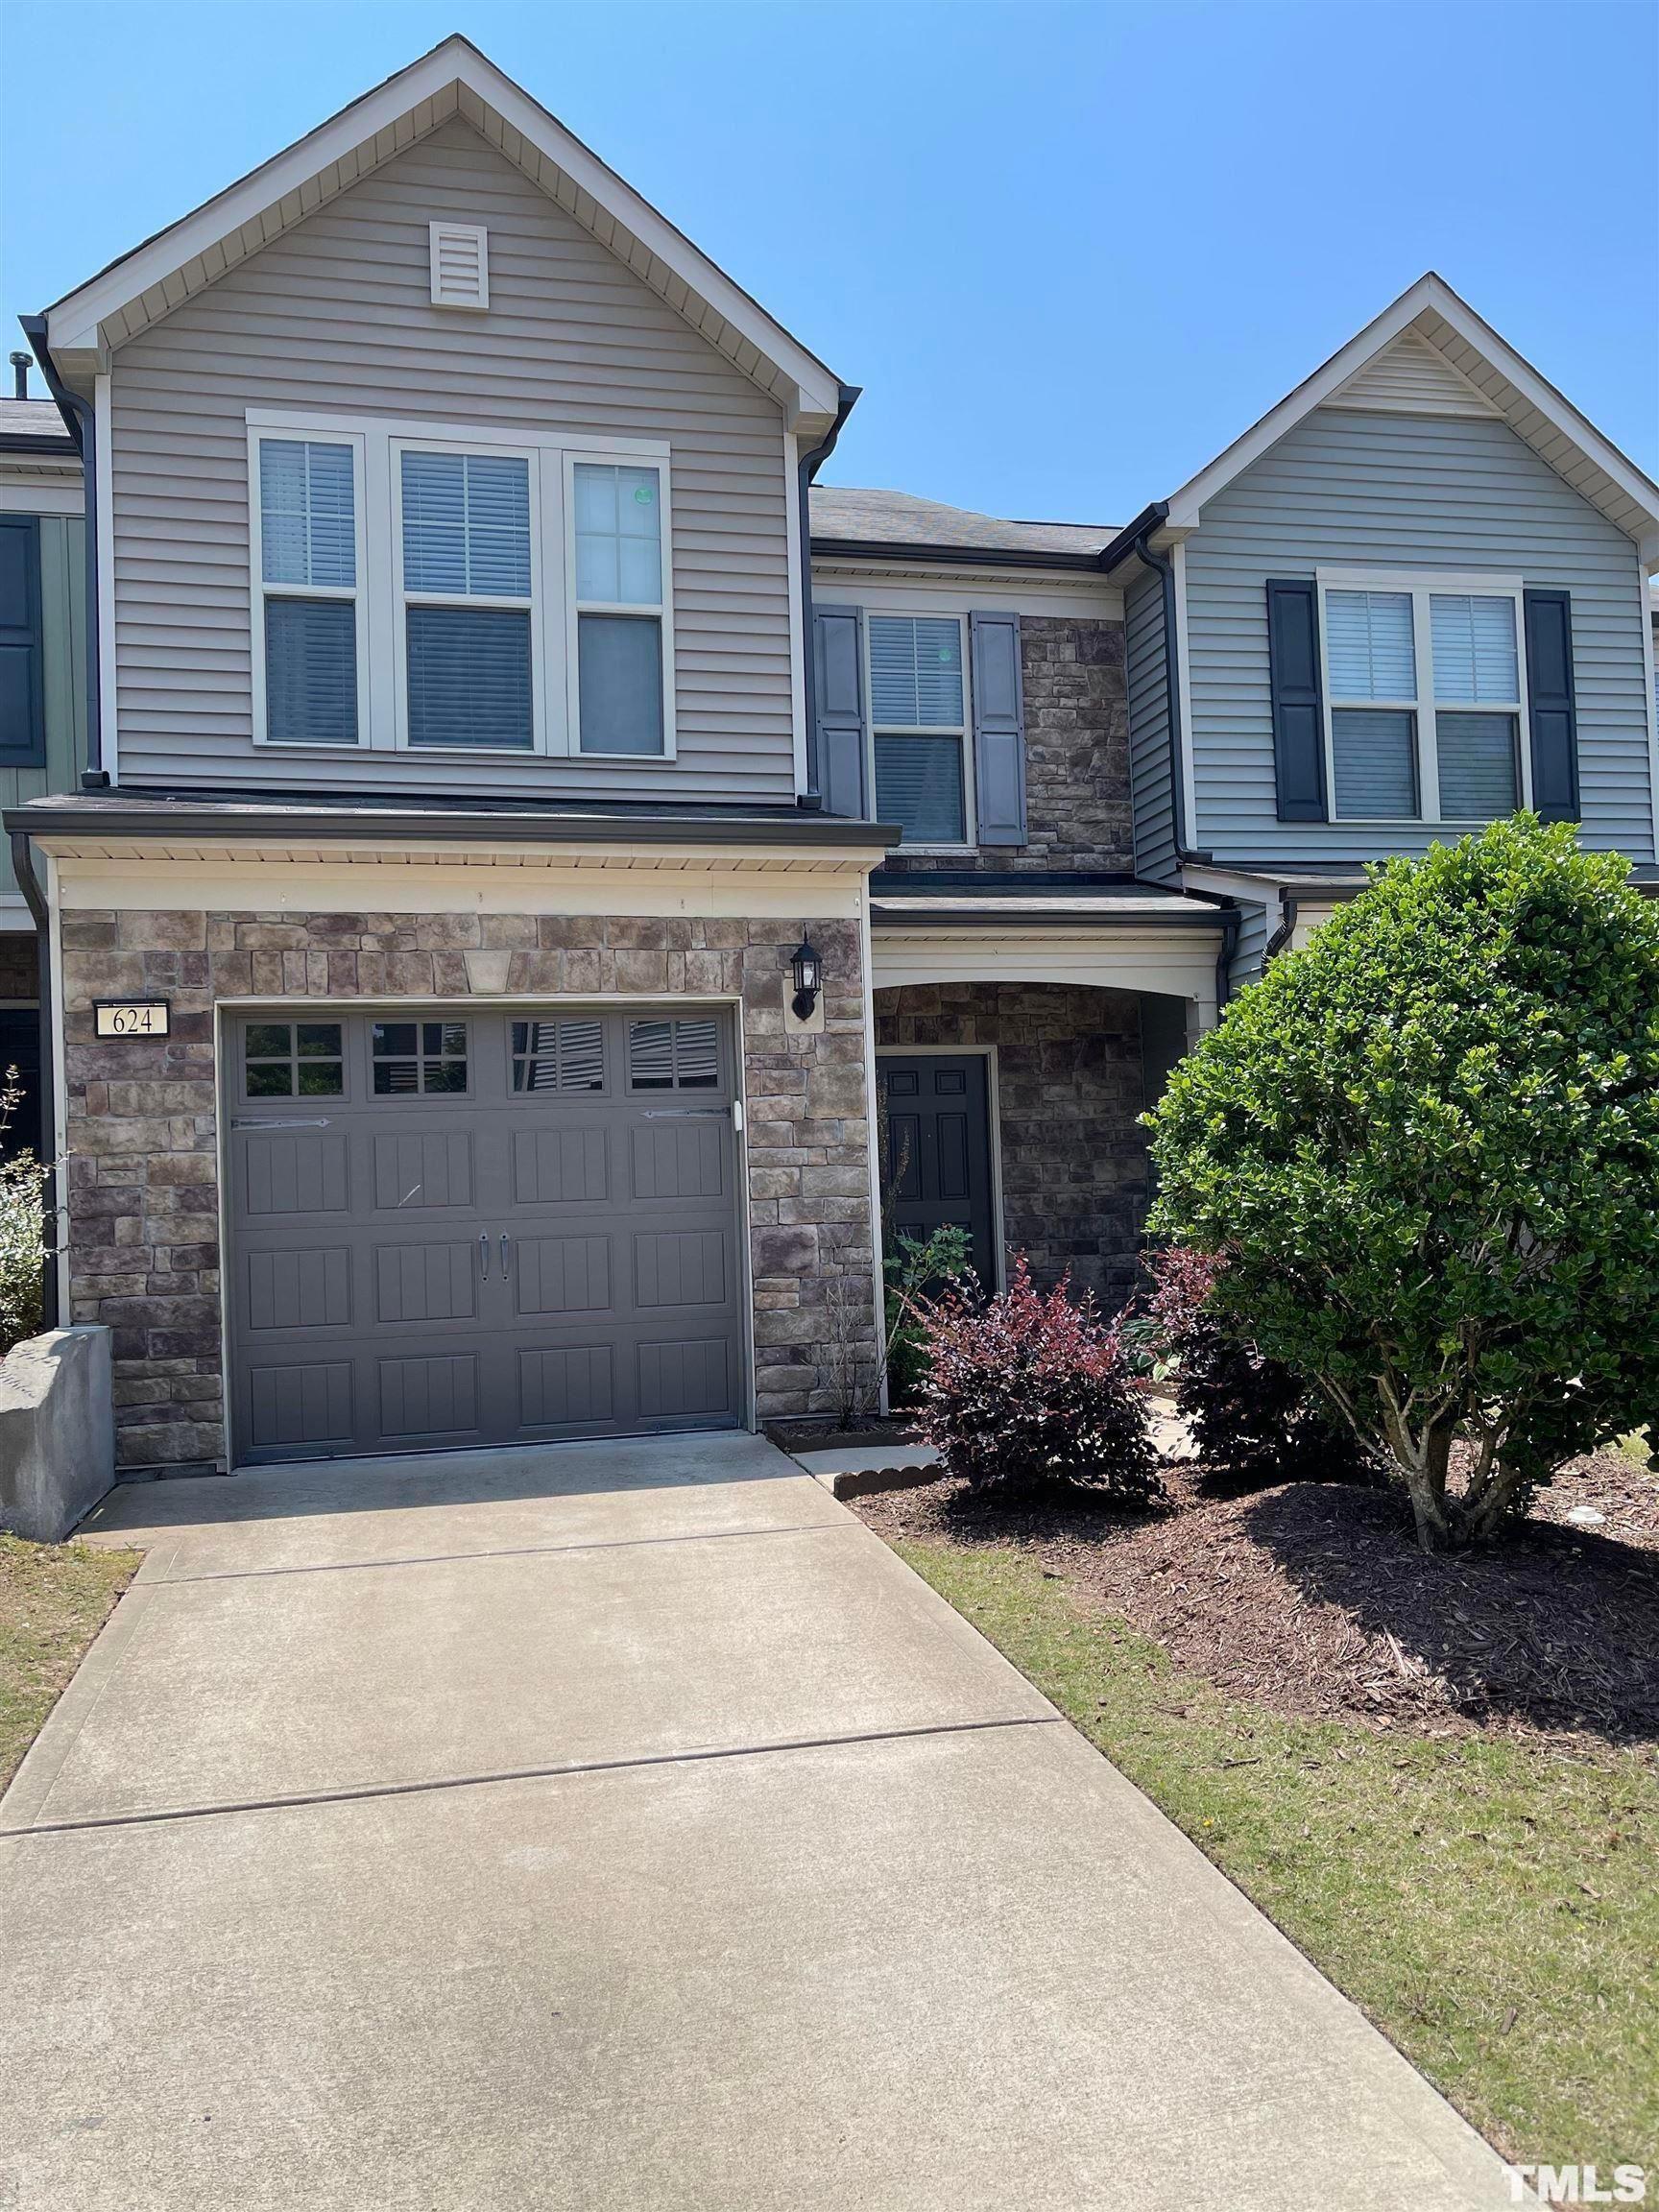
x=133, y=1017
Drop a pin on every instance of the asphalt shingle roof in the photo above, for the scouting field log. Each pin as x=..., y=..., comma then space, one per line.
x=32, y=418
x=868, y=518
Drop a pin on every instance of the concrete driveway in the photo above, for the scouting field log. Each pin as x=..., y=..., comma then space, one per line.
x=624, y=1826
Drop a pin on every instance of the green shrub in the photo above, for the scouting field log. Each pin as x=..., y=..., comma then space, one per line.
x=1252, y=1421
x=22, y=1233
x=1429, y=1146
x=918, y=1269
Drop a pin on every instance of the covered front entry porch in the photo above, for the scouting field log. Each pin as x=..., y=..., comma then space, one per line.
x=1019, y=1038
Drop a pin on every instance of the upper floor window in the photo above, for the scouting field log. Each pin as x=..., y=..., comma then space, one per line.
x=309, y=615
x=1425, y=698
x=918, y=725
x=618, y=607
x=460, y=592
x=468, y=603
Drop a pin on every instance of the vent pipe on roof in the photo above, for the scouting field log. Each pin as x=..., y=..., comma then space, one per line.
x=21, y=364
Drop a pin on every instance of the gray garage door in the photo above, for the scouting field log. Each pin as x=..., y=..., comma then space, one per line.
x=451, y=1229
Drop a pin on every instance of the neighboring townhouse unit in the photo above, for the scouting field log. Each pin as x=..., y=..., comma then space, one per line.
x=1413, y=598
x=546, y=879
x=43, y=690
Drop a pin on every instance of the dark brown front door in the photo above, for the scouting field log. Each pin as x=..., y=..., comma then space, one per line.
x=936, y=1147
x=452, y=1228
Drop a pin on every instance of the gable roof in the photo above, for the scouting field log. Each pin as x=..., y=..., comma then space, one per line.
x=849, y=522
x=454, y=78
x=1494, y=378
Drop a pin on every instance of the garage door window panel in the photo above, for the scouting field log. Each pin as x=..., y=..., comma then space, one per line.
x=293, y=1060
x=558, y=1056
x=418, y=1059
x=674, y=1055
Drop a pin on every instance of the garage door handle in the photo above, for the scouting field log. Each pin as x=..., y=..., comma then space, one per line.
x=685, y=1113
x=503, y=1255
x=286, y=1121
x=484, y=1251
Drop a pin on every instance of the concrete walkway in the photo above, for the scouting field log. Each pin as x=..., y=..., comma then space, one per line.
x=623, y=1828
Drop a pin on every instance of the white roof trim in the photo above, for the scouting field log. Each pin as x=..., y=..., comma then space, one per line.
x=453, y=79
x=1550, y=423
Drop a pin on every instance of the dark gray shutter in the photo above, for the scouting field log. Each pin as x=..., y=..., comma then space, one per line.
x=1298, y=701
x=22, y=687
x=1551, y=707
x=838, y=662
x=998, y=729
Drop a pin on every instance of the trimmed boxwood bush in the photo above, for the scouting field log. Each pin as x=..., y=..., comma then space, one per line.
x=1429, y=1146
x=1032, y=1388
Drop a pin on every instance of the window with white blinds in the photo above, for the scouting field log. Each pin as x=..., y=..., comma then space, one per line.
x=1423, y=689
x=466, y=599
x=918, y=725
x=307, y=619
x=483, y=595
x=1477, y=663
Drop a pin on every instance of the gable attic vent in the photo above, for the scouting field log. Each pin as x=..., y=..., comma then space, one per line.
x=460, y=265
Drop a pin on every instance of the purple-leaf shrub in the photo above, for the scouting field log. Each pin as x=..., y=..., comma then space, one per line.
x=1033, y=1388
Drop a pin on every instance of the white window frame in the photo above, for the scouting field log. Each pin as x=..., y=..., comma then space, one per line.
x=259, y=591
x=534, y=606
x=1423, y=585
x=617, y=457
x=969, y=815
x=382, y=676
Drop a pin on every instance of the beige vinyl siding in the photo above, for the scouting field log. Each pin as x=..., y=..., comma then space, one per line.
x=336, y=317
x=1149, y=694
x=1404, y=491
x=64, y=655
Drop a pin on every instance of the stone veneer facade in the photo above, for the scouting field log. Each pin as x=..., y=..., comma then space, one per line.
x=142, y=1118
x=1070, y=1087
x=1078, y=814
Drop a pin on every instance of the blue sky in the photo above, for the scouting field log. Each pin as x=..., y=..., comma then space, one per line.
x=1069, y=252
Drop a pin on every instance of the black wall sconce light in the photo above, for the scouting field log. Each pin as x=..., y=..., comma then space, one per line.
x=809, y=972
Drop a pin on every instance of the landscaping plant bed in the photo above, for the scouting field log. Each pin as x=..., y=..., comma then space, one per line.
x=1313, y=1598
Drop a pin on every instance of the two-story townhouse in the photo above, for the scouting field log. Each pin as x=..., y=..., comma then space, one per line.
x=546, y=877
x=441, y=798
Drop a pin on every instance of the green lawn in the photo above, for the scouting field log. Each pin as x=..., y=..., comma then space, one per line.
x=1493, y=1906
x=53, y=1599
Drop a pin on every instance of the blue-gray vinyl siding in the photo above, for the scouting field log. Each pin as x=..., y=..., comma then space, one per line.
x=1404, y=491
x=1148, y=697
x=1255, y=926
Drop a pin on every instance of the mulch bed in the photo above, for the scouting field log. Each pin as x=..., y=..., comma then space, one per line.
x=1313, y=1598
